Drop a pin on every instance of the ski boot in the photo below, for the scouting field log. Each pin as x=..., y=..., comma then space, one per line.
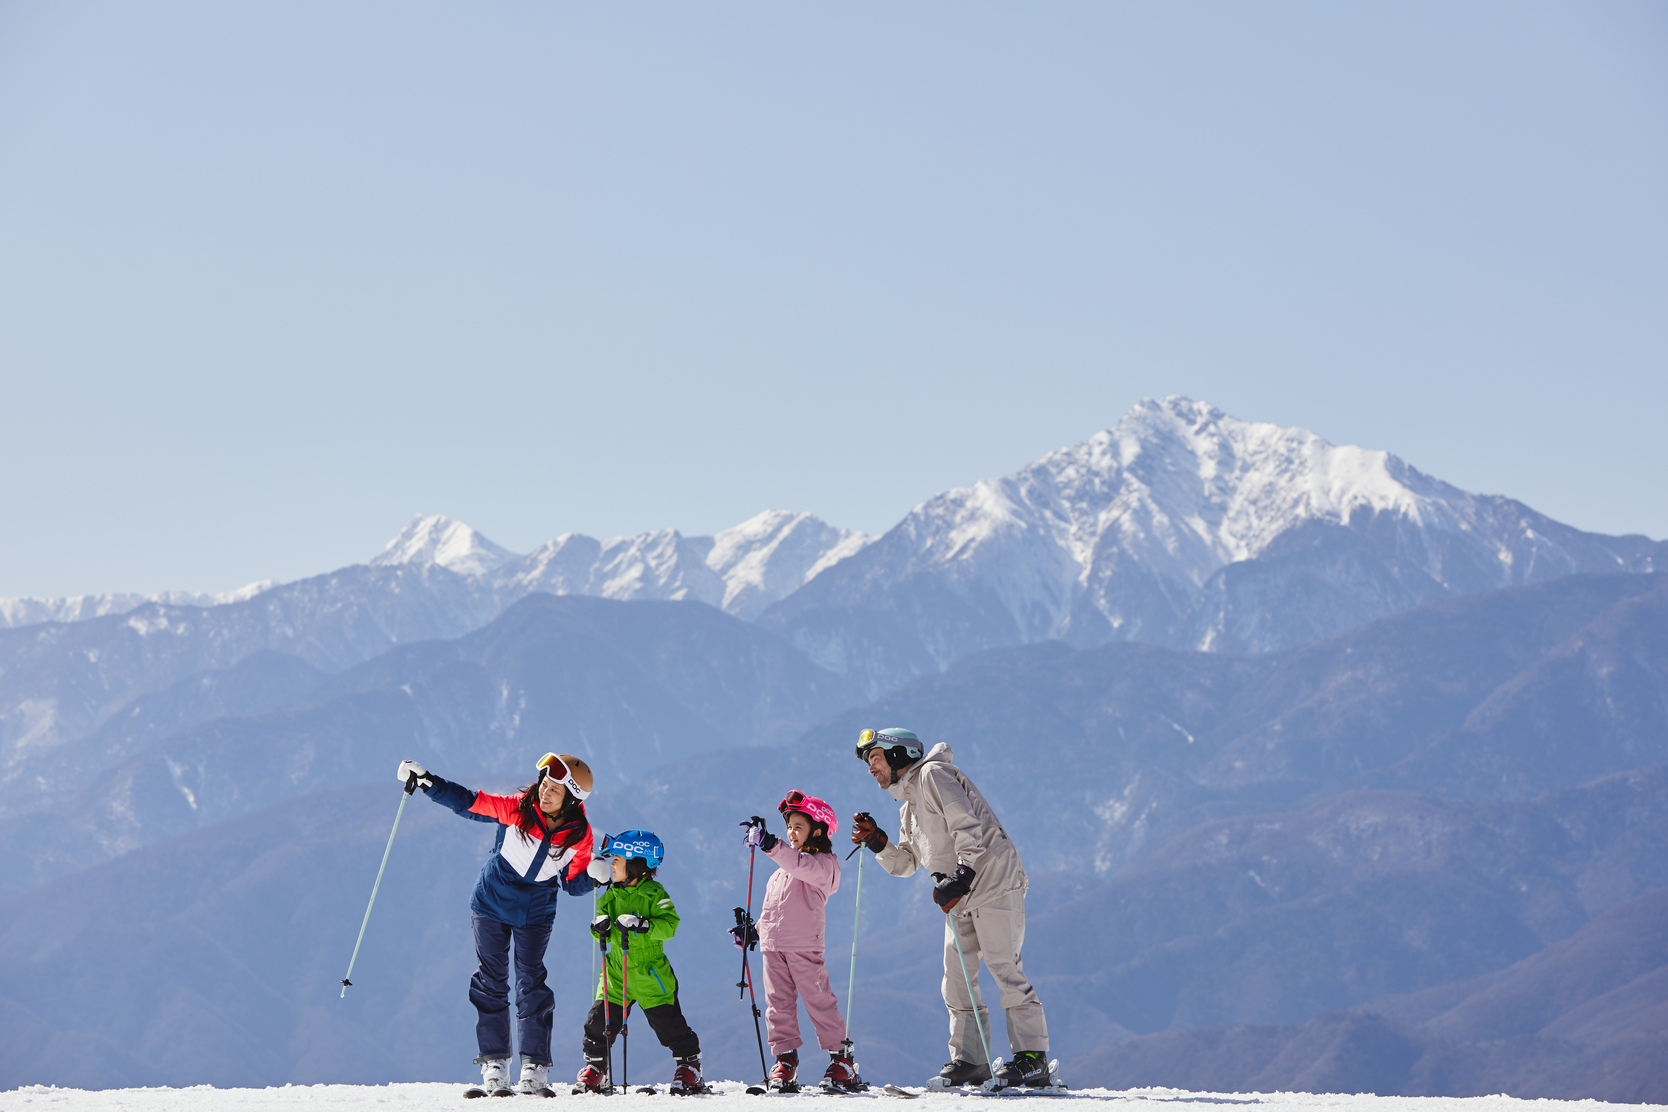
x=957, y=1073
x=495, y=1079
x=1031, y=1069
x=784, y=1075
x=591, y=1079
x=841, y=1076
x=535, y=1079
x=686, y=1081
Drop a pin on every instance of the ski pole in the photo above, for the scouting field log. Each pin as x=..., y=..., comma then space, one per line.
x=745, y=921
x=410, y=786
x=625, y=1011
x=607, y=1036
x=972, y=1000
x=851, y=982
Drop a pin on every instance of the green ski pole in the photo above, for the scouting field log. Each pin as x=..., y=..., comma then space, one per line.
x=973, y=1001
x=856, y=911
x=410, y=786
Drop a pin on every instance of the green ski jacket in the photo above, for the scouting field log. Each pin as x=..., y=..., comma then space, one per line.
x=652, y=982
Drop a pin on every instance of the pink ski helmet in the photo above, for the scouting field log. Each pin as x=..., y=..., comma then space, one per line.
x=811, y=807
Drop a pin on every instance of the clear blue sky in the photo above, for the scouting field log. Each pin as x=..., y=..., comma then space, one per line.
x=276, y=276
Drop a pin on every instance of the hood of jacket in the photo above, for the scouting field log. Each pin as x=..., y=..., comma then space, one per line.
x=902, y=788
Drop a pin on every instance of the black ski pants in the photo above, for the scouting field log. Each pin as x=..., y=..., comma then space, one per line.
x=673, y=1031
x=489, y=989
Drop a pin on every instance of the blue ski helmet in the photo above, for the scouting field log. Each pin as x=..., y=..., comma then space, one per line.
x=634, y=843
x=901, y=746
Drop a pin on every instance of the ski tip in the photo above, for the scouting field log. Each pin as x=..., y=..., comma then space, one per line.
x=895, y=1091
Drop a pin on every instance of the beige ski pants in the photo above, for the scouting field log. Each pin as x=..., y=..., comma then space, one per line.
x=993, y=934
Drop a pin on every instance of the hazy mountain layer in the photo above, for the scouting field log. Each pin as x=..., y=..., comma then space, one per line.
x=1204, y=841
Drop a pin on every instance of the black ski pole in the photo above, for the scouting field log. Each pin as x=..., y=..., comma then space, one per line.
x=410, y=786
x=607, y=1035
x=749, y=940
x=625, y=1011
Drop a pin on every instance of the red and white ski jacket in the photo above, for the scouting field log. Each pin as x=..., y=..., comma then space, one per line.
x=522, y=875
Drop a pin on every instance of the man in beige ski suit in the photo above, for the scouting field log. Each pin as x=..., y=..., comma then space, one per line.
x=946, y=827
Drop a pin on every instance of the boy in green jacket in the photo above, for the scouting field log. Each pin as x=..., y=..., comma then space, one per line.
x=635, y=917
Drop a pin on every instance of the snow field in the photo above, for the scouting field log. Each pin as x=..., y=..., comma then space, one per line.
x=732, y=1097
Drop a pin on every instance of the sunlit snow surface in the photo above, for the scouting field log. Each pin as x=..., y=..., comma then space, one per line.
x=732, y=1097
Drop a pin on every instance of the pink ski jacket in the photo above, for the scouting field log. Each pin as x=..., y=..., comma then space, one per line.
x=792, y=917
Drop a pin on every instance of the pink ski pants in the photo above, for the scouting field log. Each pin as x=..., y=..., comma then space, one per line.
x=799, y=973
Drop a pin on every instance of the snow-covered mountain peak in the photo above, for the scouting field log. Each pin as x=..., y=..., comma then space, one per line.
x=436, y=539
x=1198, y=484
x=773, y=554
x=1183, y=525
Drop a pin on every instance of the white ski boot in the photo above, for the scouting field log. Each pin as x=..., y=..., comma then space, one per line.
x=535, y=1079
x=495, y=1079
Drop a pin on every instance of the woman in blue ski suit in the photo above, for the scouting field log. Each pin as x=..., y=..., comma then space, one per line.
x=543, y=845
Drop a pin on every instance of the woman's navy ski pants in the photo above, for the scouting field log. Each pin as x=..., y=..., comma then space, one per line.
x=489, y=989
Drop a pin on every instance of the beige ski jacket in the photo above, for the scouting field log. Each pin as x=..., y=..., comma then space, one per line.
x=944, y=820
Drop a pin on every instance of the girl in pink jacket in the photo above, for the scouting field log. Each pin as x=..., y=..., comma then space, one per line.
x=791, y=939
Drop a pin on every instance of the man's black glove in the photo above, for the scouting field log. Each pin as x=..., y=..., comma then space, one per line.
x=950, y=889
x=601, y=925
x=863, y=829
x=636, y=924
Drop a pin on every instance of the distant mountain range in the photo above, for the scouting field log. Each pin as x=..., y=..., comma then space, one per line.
x=1326, y=775
x=1180, y=526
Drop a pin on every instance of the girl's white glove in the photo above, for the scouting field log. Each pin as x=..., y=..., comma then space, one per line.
x=601, y=870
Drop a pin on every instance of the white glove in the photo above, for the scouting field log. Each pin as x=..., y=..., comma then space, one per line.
x=636, y=924
x=601, y=870
x=408, y=769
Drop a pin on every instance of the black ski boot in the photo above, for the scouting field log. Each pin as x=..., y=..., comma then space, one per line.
x=958, y=1073
x=1028, y=1068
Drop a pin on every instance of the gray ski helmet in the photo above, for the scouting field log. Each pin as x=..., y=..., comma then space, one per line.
x=901, y=746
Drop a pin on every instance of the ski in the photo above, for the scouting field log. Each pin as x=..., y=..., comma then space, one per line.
x=648, y=1090
x=895, y=1091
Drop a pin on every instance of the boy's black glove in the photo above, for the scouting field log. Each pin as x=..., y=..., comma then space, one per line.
x=863, y=829
x=601, y=925
x=636, y=924
x=949, y=890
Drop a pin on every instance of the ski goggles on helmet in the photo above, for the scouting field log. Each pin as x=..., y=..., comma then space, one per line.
x=811, y=807
x=552, y=766
x=870, y=739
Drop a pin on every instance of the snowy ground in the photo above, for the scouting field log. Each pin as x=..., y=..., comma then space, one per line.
x=731, y=1098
